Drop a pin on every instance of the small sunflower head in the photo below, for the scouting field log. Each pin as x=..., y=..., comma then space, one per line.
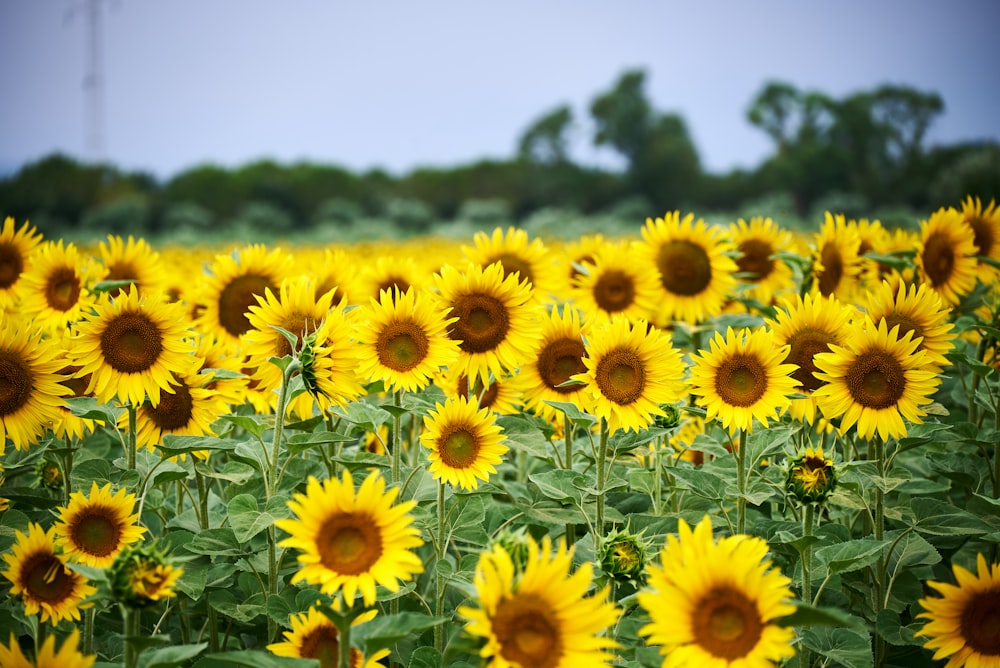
x=811, y=477
x=143, y=574
x=623, y=555
x=515, y=543
x=49, y=474
x=670, y=418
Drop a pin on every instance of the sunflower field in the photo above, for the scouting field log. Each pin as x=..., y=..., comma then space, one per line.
x=702, y=444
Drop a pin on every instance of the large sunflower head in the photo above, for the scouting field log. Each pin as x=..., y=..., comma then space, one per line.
x=465, y=442
x=541, y=615
x=757, y=243
x=496, y=322
x=189, y=409
x=16, y=247
x=742, y=377
x=31, y=388
x=133, y=261
x=132, y=347
x=714, y=602
x=67, y=656
x=692, y=262
x=808, y=325
x=836, y=264
x=403, y=339
x=985, y=224
x=54, y=290
x=964, y=621
x=916, y=310
x=612, y=284
x=351, y=540
x=946, y=258
x=94, y=528
x=528, y=258
x=548, y=376
x=40, y=578
x=631, y=370
x=315, y=636
x=875, y=380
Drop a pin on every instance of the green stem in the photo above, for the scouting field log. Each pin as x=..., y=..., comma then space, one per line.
x=807, y=531
x=741, y=483
x=202, y=500
x=878, y=454
x=397, y=441
x=88, y=631
x=658, y=475
x=568, y=464
x=996, y=470
x=439, y=590
x=130, y=624
x=131, y=439
x=602, y=455
x=271, y=487
x=344, y=644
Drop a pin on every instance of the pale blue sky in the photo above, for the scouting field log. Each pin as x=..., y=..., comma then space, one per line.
x=442, y=82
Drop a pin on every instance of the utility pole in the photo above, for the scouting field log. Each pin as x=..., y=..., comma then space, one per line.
x=93, y=79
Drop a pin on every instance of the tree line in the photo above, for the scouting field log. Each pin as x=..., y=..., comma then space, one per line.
x=866, y=151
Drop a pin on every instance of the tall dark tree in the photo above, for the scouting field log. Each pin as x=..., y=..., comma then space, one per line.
x=624, y=116
x=546, y=141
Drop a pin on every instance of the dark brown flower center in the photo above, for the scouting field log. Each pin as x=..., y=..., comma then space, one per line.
x=982, y=236
x=11, y=265
x=685, y=268
x=458, y=448
x=614, y=291
x=323, y=644
x=741, y=380
x=527, y=632
x=349, y=543
x=906, y=324
x=833, y=268
x=755, y=259
x=175, y=410
x=486, y=398
x=482, y=322
x=15, y=382
x=876, y=379
x=559, y=361
x=512, y=264
x=402, y=345
x=46, y=579
x=803, y=346
x=726, y=623
x=980, y=623
x=62, y=289
x=236, y=299
x=938, y=258
x=392, y=284
x=96, y=532
x=131, y=343
x=621, y=376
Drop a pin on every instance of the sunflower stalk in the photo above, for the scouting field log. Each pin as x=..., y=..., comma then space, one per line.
x=741, y=483
x=658, y=476
x=397, y=440
x=807, y=531
x=602, y=455
x=568, y=465
x=130, y=439
x=439, y=578
x=878, y=454
x=130, y=627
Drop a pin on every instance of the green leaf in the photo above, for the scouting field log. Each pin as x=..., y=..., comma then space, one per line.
x=395, y=411
x=90, y=409
x=851, y=555
x=251, y=453
x=386, y=630
x=425, y=657
x=216, y=542
x=843, y=647
x=575, y=415
x=234, y=472
x=174, y=445
x=240, y=610
x=702, y=483
x=641, y=480
x=255, y=425
x=625, y=441
x=559, y=484
x=299, y=443
x=911, y=550
x=766, y=443
x=888, y=626
x=807, y=615
x=255, y=658
x=247, y=521
x=168, y=657
x=366, y=415
x=111, y=285
x=939, y=518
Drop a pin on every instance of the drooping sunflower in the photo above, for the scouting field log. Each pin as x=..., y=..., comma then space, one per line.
x=808, y=325
x=917, y=310
x=691, y=262
x=315, y=636
x=142, y=575
x=403, y=340
x=132, y=346
x=985, y=224
x=16, y=247
x=54, y=290
x=612, y=284
x=189, y=410
x=350, y=540
x=497, y=323
x=232, y=287
x=757, y=242
x=42, y=579
x=875, y=380
x=133, y=260
x=93, y=529
x=559, y=357
x=946, y=258
x=68, y=656
x=30, y=386
x=464, y=441
x=742, y=377
x=712, y=603
x=962, y=622
x=540, y=615
x=631, y=370
x=517, y=254
x=836, y=264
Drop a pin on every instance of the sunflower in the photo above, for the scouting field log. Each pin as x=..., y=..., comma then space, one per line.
x=315, y=636
x=503, y=396
x=222, y=374
x=133, y=261
x=352, y=541
x=558, y=358
x=871, y=237
x=875, y=380
x=836, y=263
x=540, y=615
x=54, y=289
x=946, y=257
x=985, y=224
x=575, y=254
x=808, y=325
x=403, y=340
x=70, y=426
x=189, y=410
x=142, y=575
x=465, y=443
x=811, y=477
x=30, y=387
x=93, y=529
x=334, y=273
x=757, y=242
x=386, y=273
x=963, y=620
x=530, y=260
x=712, y=603
x=917, y=310
x=496, y=324
x=67, y=657
x=42, y=580
x=16, y=247
x=133, y=346
x=691, y=262
x=743, y=376
x=232, y=287
x=612, y=284
x=631, y=370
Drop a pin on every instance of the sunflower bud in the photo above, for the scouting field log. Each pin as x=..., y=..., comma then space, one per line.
x=670, y=418
x=811, y=477
x=50, y=475
x=307, y=358
x=623, y=555
x=142, y=575
x=515, y=543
